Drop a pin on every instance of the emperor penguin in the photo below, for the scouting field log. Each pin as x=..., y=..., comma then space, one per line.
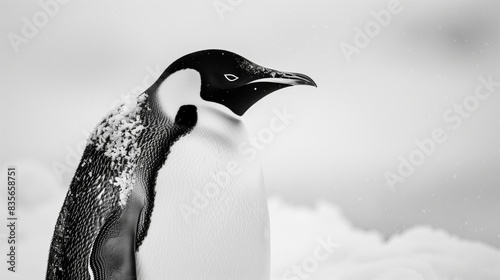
x=162, y=190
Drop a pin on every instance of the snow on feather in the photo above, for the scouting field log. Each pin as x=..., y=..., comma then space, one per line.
x=117, y=135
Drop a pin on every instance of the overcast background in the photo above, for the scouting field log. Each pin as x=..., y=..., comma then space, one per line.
x=368, y=109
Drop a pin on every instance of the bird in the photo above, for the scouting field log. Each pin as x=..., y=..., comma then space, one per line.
x=162, y=190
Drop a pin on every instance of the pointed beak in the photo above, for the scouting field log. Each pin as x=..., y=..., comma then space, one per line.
x=284, y=78
x=261, y=82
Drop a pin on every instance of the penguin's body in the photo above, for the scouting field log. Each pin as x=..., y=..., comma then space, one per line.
x=162, y=191
x=210, y=196
x=214, y=211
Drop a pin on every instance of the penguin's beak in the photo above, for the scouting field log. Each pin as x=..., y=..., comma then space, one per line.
x=257, y=83
x=241, y=98
x=284, y=78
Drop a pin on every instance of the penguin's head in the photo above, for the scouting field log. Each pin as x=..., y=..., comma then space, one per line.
x=222, y=77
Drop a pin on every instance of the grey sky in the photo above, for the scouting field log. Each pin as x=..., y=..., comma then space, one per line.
x=346, y=133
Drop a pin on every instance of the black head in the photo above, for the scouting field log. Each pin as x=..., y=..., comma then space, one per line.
x=232, y=80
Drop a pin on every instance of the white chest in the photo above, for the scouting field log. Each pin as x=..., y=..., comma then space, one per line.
x=210, y=218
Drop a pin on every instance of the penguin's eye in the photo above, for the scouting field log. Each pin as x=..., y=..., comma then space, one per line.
x=231, y=77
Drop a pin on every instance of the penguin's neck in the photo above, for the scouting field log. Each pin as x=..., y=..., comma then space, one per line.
x=183, y=88
x=219, y=124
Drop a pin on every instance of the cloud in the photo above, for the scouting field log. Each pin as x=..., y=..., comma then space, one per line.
x=419, y=253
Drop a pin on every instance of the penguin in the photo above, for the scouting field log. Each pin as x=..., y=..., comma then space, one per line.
x=162, y=190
